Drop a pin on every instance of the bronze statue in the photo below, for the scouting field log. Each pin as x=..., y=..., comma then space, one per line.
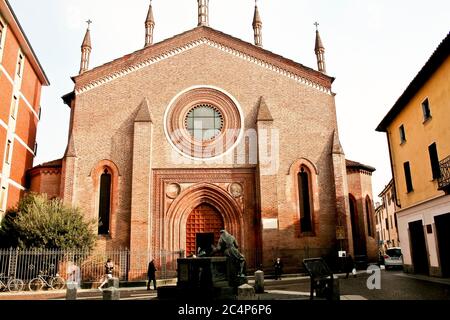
x=228, y=246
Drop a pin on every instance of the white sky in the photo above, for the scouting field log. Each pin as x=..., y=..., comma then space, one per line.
x=374, y=49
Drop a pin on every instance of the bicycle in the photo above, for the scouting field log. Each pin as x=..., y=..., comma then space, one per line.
x=12, y=284
x=52, y=282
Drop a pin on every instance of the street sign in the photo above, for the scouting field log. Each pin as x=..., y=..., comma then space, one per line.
x=340, y=233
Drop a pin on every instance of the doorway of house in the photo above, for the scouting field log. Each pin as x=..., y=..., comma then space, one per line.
x=442, y=223
x=419, y=253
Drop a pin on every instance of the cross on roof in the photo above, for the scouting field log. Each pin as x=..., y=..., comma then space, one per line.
x=89, y=22
x=317, y=25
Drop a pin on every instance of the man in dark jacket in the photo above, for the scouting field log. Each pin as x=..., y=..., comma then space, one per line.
x=151, y=273
x=278, y=266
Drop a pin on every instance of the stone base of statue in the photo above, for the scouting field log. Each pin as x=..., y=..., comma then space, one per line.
x=211, y=278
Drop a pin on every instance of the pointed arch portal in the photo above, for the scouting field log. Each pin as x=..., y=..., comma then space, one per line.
x=214, y=209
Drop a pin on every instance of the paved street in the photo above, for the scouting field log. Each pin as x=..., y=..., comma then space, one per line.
x=395, y=285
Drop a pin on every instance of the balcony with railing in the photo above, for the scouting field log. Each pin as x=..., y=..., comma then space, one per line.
x=444, y=180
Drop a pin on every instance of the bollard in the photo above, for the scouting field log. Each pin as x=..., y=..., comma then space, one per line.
x=113, y=283
x=112, y=292
x=71, y=292
x=246, y=292
x=336, y=294
x=259, y=281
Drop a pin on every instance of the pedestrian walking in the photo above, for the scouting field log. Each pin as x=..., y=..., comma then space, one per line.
x=151, y=274
x=109, y=267
x=278, y=269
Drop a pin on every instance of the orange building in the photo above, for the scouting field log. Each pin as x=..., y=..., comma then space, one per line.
x=21, y=79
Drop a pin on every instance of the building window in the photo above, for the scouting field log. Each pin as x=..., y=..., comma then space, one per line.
x=387, y=223
x=2, y=31
x=392, y=225
x=204, y=122
x=8, y=151
x=389, y=198
x=369, y=217
x=408, y=179
x=426, y=110
x=35, y=148
x=104, y=203
x=402, y=134
x=2, y=197
x=434, y=160
x=14, y=107
x=20, y=65
x=2, y=37
x=304, y=192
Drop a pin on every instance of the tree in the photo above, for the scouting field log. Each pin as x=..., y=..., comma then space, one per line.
x=37, y=222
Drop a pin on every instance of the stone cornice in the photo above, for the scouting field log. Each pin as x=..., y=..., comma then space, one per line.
x=193, y=39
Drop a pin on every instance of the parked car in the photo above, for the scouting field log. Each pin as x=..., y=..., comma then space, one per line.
x=393, y=258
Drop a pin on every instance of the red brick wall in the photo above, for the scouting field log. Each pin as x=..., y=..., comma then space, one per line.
x=31, y=86
x=10, y=53
x=26, y=124
x=2, y=145
x=360, y=186
x=22, y=160
x=5, y=98
x=46, y=181
x=25, y=121
x=14, y=194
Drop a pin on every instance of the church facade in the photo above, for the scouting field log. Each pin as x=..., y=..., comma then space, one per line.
x=202, y=132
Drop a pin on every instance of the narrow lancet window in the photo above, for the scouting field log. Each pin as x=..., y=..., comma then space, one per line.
x=304, y=192
x=104, y=203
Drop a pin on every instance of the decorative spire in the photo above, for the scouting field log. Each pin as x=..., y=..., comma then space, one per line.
x=149, y=26
x=263, y=112
x=320, y=51
x=203, y=13
x=86, y=49
x=257, y=26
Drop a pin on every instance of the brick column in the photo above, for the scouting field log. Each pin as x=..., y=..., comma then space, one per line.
x=268, y=165
x=68, y=174
x=141, y=185
x=341, y=191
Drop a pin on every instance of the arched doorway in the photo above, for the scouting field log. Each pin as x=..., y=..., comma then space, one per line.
x=203, y=228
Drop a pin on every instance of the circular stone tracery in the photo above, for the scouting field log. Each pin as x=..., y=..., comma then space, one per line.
x=203, y=123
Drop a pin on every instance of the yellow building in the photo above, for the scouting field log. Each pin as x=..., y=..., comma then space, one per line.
x=418, y=132
x=387, y=224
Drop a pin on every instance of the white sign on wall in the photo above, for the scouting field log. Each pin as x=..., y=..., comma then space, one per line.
x=270, y=224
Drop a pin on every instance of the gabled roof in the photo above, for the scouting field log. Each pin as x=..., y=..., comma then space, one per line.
x=193, y=38
x=435, y=61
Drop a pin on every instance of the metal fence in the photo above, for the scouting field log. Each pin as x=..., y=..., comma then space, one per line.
x=86, y=266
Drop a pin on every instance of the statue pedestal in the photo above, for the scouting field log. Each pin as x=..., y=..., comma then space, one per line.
x=212, y=278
